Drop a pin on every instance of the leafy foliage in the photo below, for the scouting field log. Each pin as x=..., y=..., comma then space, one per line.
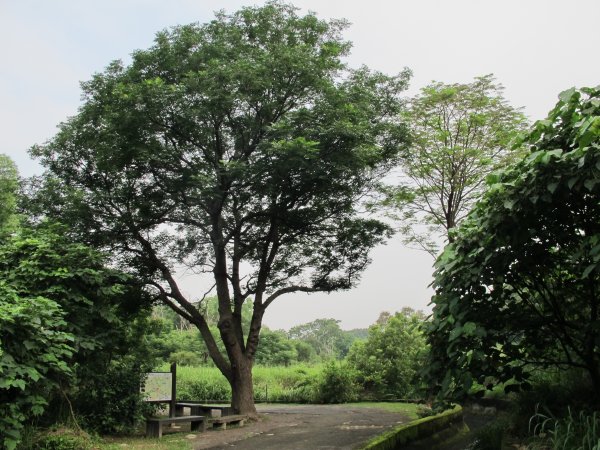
x=241, y=143
x=518, y=288
x=66, y=291
x=275, y=349
x=34, y=350
x=324, y=335
x=64, y=439
x=460, y=134
x=337, y=384
x=389, y=360
x=9, y=185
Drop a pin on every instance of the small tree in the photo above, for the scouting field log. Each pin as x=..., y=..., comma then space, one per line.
x=388, y=362
x=239, y=148
x=518, y=289
x=461, y=133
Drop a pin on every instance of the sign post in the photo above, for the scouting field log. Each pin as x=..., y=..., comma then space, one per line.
x=161, y=387
x=173, y=403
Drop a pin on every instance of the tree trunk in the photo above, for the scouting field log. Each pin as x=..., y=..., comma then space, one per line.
x=242, y=391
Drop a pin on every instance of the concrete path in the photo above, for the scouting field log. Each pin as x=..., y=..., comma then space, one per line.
x=305, y=427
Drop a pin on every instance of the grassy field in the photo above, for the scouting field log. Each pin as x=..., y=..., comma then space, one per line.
x=273, y=384
x=410, y=409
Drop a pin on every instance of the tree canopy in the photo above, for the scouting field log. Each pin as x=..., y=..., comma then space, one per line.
x=518, y=289
x=239, y=148
x=9, y=185
x=325, y=336
x=460, y=133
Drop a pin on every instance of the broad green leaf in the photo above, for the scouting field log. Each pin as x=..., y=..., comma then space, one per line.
x=588, y=270
x=566, y=96
x=552, y=186
x=590, y=183
x=469, y=328
x=455, y=333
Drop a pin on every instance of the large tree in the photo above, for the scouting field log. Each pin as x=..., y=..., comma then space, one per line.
x=240, y=148
x=460, y=134
x=518, y=289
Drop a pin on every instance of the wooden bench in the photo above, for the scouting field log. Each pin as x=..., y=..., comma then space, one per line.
x=221, y=422
x=154, y=424
x=197, y=409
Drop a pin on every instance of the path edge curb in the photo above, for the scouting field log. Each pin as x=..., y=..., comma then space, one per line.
x=415, y=430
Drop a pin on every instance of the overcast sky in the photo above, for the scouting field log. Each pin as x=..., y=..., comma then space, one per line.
x=535, y=48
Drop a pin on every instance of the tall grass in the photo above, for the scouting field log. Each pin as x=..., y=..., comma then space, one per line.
x=573, y=432
x=294, y=384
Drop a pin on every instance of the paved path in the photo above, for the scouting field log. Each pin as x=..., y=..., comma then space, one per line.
x=305, y=427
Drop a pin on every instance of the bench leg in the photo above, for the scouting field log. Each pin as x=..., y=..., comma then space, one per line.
x=220, y=426
x=198, y=426
x=153, y=429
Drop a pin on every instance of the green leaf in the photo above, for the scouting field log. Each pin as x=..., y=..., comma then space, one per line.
x=455, y=333
x=469, y=328
x=566, y=96
x=588, y=270
x=590, y=183
x=509, y=204
x=552, y=186
x=571, y=182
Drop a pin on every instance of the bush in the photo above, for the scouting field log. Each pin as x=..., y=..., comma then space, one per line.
x=33, y=355
x=388, y=362
x=64, y=439
x=111, y=402
x=337, y=384
x=490, y=437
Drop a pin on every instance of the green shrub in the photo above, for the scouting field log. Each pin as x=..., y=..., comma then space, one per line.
x=64, y=439
x=337, y=384
x=111, y=402
x=424, y=411
x=33, y=355
x=490, y=437
x=388, y=362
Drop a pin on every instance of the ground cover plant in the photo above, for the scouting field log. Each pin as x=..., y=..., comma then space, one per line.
x=573, y=432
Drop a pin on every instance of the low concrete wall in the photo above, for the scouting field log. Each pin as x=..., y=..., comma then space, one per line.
x=417, y=429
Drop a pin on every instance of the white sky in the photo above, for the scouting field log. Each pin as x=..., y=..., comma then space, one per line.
x=536, y=48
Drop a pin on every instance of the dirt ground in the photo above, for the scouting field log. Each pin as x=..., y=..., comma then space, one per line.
x=303, y=427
